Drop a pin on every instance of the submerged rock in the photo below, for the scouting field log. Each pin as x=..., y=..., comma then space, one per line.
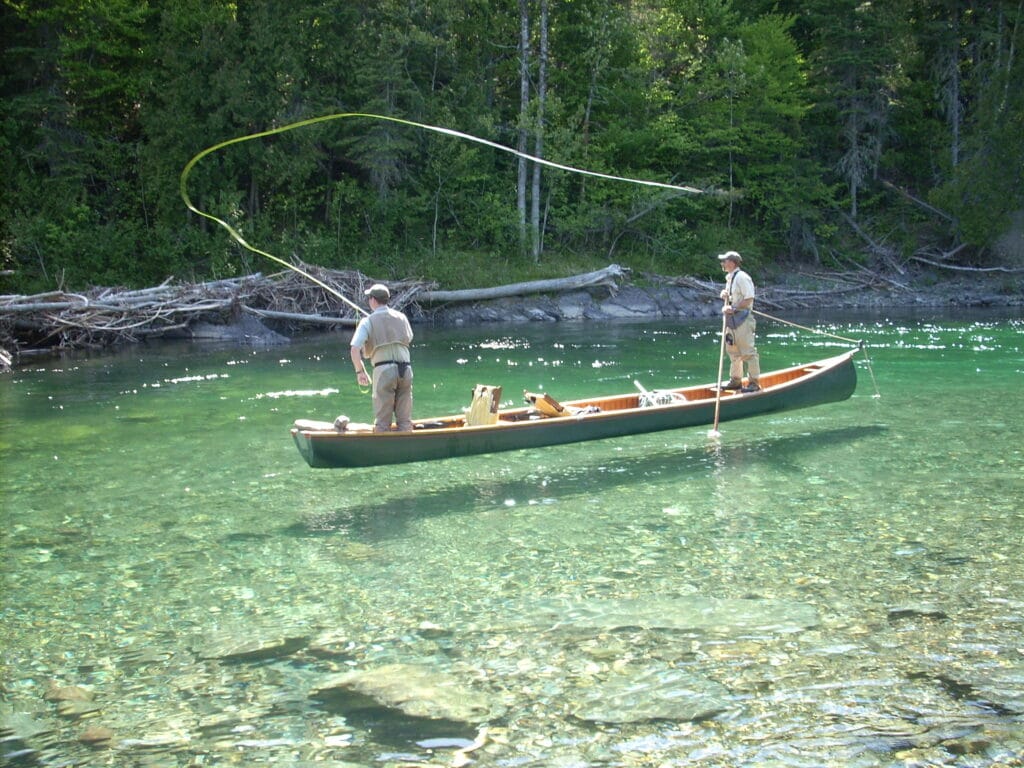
x=57, y=692
x=76, y=709
x=22, y=726
x=919, y=610
x=97, y=736
x=1005, y=689
x=652, y=692
x=999, y=687
x=414, y=690
x=332, y=643
x=231, y=646
x=246, y=329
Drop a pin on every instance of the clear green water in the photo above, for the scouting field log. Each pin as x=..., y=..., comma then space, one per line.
x=154, y=505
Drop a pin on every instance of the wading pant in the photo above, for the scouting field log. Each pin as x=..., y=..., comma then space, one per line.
x=392, y=395
x=739, y=343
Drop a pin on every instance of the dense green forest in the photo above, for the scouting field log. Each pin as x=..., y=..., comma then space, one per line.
x=818, y=132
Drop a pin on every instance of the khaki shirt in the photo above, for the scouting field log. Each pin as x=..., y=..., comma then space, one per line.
x=741, y=287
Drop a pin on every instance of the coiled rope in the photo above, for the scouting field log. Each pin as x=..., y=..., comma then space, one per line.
x=343, y=115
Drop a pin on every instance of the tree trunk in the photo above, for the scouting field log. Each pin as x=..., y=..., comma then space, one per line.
x=538, y=145
x=524, y=105
x=607, y=276
x=950, y=77
x=1010, y=54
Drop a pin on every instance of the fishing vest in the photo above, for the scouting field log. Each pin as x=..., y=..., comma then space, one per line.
x=386, y=328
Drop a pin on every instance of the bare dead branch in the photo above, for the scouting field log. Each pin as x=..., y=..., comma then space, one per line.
x=957, y=268
x=887, y=254
x=917, y=201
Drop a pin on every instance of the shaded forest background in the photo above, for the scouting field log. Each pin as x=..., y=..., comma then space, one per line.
x=822, y=132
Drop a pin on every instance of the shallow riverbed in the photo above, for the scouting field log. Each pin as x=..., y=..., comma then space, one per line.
x=836, y=586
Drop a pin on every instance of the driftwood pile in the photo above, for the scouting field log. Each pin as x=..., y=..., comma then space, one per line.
x=104, y=317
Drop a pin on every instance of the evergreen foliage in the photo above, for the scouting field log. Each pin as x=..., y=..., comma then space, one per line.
x=798, y=118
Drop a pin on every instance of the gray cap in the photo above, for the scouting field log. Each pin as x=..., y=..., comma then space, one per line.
x=730, y=256
x=379, y=291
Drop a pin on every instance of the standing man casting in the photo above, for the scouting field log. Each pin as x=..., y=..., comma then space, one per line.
x=738, y=298
x=383, y=337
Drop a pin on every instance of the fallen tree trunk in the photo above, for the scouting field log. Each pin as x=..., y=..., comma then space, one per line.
x=957, y=268
x=607, y=277
x=300, y=317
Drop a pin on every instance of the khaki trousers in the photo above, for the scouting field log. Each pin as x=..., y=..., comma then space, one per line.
x=392, y=395
x=739, y=343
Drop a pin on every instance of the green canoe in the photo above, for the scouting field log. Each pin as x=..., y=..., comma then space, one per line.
x=597, y=418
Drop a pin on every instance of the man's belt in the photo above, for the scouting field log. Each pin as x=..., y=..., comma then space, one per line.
x=402, y=367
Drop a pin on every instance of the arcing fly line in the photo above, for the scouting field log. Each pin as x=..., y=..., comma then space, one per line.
x=437, y=129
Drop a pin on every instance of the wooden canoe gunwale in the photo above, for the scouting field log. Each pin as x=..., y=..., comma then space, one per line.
x=799, y=386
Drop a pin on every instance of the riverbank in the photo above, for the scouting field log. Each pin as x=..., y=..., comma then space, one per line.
x=653, y=297
x=269, y=310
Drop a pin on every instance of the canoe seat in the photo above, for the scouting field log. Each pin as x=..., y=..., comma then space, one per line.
x=483, y=409
x=546, y=404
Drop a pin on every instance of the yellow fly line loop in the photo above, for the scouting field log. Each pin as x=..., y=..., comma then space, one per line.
x=339, y=116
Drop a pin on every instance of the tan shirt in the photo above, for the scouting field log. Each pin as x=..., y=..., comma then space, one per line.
x=741, y=288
